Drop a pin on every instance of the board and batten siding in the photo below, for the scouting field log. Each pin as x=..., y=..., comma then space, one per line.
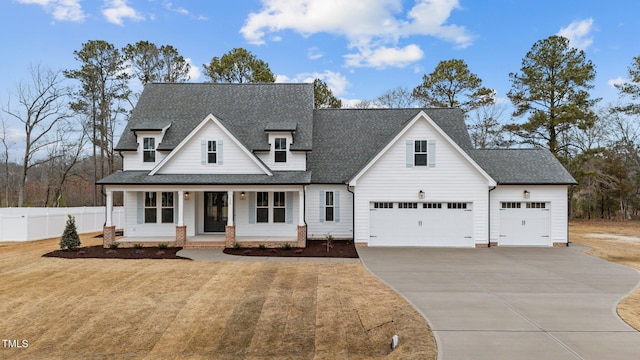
x=452, y=179
x=317, y=228
x=556, y=195
x=188, y=159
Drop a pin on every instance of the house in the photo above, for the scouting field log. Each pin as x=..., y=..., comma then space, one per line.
x=256, y=163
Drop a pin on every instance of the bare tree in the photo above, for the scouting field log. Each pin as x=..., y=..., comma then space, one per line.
x=486, y=127
x=64, y=154
x=400, y=97
x=41, y=106
x=5, y=162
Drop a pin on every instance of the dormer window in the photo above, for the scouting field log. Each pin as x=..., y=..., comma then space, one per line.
x=280, y=150
x=212, y=152
x=149, y=149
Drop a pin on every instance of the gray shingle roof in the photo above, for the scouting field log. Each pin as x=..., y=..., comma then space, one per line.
x=522, y=166
x=245, y=109
x=142, y=178
x=345, y=140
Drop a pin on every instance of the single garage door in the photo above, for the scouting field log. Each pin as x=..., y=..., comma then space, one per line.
x=525, y=224
x=421, y=224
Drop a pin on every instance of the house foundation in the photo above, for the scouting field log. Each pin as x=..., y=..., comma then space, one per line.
x=302, y=236
x=108, y=236
x=181, y=235
x=230, y=235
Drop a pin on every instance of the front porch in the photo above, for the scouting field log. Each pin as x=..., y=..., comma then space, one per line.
x=209, y=241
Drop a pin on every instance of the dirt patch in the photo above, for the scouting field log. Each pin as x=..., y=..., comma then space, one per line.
x=99, y=252
x=315, y=248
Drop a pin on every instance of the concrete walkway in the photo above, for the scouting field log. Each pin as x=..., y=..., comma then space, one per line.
x=514, y=303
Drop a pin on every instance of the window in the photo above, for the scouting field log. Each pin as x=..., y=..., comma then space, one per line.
x=262, y=207
x=456, y=205
x=212, y=152
x=511, y=205
x=150, y=210
x=167, y=207
x=407, y=205
x=383, y=205
x=420, y=153
x=281, y=150
x=432, y=206
x=149, y=149
x=536, y=205
x=329, y=206
x=279, y=207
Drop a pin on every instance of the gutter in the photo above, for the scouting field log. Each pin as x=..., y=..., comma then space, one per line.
x=489, y=215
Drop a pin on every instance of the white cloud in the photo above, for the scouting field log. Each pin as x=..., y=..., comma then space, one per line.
x=336, y=82
x=117, y=10
x=373, y=27
x=194, y=71
x=314, y=53
x=62, y=10
x=179, y=10
x=617, y=81
x=579, y=33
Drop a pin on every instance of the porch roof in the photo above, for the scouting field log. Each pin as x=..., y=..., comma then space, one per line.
x=143, y=178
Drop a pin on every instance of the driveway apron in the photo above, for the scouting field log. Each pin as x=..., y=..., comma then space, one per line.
x=514, y=303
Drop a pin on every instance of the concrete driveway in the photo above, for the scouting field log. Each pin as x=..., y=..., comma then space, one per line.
x=514, y=303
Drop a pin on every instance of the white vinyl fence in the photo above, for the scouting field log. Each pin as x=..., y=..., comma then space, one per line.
x=26, y=224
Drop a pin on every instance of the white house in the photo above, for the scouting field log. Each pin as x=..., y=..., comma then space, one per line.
x=257, y=163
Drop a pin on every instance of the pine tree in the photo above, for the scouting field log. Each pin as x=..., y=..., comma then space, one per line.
x=70, y=239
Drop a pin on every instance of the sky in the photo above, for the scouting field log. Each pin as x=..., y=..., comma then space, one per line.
x=359, y=48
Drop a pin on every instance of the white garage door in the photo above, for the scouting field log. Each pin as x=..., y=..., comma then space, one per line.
x=525, y=224
x=421, y=224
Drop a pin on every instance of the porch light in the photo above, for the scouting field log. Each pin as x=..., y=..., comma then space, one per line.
x=242, y=195
x=526, y=194
x=186, y=195
x=421, y=194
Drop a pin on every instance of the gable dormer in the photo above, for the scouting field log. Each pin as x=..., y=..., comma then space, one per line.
x=146, y=156
x=280, y=157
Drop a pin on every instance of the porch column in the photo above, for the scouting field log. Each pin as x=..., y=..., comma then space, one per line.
x=180, y=207
x=181, y=230
x=302, y=228
x=229, y=208
x=109, y=231
x=230, y=229
x=301, y=208
x=109, y=207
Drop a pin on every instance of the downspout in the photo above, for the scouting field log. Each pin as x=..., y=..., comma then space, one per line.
x=353, y=215
x=489, y=216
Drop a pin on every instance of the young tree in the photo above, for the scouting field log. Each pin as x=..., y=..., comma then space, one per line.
x=70, y=239
x=153, y=64
x=400, y=97
x=238, y=66
x=631, y=88
x=553, y=88
x=41, y=106
x=451, y=84
x=323, y=96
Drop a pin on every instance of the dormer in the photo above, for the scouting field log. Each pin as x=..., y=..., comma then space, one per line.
x=147, y=155
x=281, y=137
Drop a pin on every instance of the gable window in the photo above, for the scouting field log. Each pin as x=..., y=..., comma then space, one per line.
x=212, y=152
x=329, y=206
x=280, y=150
x=262, y=207
x=420, y=153
x=149, y=149
x=150, y=210
x=167, y=207
x=279, y=210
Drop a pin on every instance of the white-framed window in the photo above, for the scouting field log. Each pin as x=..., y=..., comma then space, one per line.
x=511, y=205
x=262, y=207
x=407, y=205
x=456, y=205
x=279, y=209
x=432, y=206
x=212, y=152
x=383, y=205
x=329, y=206
x=280, y=150
x=150, y=208
x=536, y=205
x=148, y=149
x=420, y=153
x=167, y=207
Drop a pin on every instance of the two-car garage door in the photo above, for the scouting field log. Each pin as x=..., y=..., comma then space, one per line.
x=421, y=224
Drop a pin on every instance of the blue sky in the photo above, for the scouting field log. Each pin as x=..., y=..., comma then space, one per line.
x=360, y=48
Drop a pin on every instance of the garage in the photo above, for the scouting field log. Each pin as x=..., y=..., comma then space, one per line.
x=525, y=224
x=421, y=224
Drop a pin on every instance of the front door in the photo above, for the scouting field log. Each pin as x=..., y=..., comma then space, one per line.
x=215, y=211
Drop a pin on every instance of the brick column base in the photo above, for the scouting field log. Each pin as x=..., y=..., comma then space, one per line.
x=230, y=236
x=108, y=236
x=560, y=244
x=302, y=236
x=181, y=235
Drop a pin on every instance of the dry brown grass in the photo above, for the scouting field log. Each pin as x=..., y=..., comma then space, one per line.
x=167, y=309
x=619, y=251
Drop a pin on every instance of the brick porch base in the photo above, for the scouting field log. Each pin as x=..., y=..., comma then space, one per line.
x=108, y=236
x=230, y=236
x=302, y=236
x=181, y=235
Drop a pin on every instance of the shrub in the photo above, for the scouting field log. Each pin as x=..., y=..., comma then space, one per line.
x=163, y=245
x=329, y=241
x=262, y=246
x=286, y=246
x=137, y=246
x=70, y=239
x=236, y=245
x=114, y=245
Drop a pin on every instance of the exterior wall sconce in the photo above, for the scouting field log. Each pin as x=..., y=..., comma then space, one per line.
x=187, y=195
x=526, y=194
x=421, y=194
x=243, y=195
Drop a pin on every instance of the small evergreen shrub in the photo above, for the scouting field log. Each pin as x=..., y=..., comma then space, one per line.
x=137, y=246
x=262, y=246
x=70, y=239
x=114, y=245
x=286, y=246
x=163, y=245
x=236, y=245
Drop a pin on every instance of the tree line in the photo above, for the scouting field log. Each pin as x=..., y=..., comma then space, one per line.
x=70, y=117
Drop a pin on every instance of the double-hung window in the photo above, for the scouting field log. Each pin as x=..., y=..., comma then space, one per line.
x=420, y=153
x=167, y=207
x=262, y=207
x=279, y=210
x=212, y=152
x=280, y=148
x=329, y=206
x=150, y=208
x=148, y=149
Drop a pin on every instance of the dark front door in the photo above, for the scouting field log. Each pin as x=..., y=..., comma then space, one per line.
x=215, y=211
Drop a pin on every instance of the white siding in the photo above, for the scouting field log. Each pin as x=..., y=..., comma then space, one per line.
x=132, y=160
x=133, y=229
x=556, y=195
x=296, y=160
x=453, y=179
x=189, y=158
x=340, y=229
